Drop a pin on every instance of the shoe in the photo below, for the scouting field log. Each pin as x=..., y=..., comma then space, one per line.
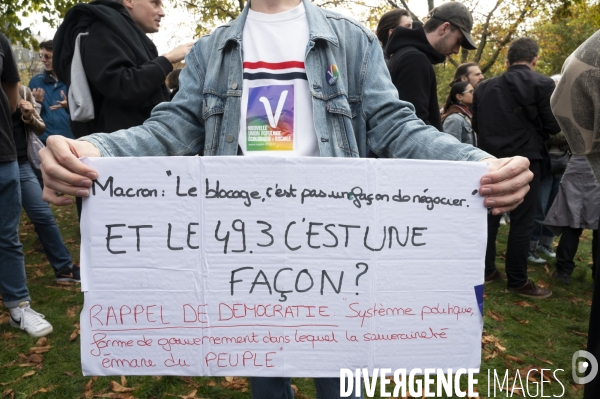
x=562, y=277
x=531, y=290
x=546, y=251
x=496, y=275
x=502, y=221
x=534, y=258
x=27, y=319
x=71, y=274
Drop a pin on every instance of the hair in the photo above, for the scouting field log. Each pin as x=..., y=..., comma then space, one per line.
x=118, y=1
x=433, y=23
x=389, y=20
x=47, y=45
x=462, y=71
x=457, y=88
x=522, y=49
x=173, y=79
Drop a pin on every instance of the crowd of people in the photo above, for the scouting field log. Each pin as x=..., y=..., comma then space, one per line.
x=105, y=84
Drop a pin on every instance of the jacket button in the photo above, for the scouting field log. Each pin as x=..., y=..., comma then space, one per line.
x=234, y=85
x=229, y=138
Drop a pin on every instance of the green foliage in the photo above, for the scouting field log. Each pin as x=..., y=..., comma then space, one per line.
x=12, y=12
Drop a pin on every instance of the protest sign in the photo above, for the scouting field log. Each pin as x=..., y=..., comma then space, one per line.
x=255, y=266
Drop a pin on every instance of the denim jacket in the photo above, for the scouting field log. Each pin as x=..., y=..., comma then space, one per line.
x=359, y=111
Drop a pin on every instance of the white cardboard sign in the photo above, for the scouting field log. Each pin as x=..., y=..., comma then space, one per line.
x=246, y=266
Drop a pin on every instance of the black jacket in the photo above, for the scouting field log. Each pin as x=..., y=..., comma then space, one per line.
x=410, y=65
x=122, y=66
x=500, y=130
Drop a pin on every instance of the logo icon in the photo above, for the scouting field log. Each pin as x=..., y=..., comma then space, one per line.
x=332, y=74
x=587, y=368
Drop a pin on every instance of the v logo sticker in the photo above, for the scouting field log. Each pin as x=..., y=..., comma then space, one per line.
x=274, y=119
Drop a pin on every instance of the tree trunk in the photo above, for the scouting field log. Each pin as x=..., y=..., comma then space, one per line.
x=430, y=4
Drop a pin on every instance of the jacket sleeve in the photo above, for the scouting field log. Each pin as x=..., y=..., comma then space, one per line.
x=174, y=128
x=412, y=79
x=453, y=125
x=549, y=123
x=111, y=69
x=393, y=129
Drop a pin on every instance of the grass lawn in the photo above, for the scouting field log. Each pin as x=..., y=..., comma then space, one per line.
x=518, y=335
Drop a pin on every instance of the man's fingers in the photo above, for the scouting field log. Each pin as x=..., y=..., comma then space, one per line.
x=60, y=161
x=51, y=196
x=507, y=202
x=61, y=187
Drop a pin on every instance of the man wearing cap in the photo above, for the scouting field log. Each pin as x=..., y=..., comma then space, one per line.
x=413, y=52
x=286, y=69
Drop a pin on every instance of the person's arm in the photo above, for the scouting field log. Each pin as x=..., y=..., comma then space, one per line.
x=174, y=128
x=412, y=79
x=110, y=67
x=11, y=89
x=453, y=125
x=394, y=131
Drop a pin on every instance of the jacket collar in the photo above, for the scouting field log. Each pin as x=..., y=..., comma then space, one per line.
x=318, y=26
x=48, y=78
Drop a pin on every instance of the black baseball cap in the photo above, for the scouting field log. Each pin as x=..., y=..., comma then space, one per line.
x=458, y=15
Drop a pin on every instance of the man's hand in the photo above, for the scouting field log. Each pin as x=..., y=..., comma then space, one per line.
x=61, y=104
x=63, y=172
x=179, y=52
x=506, y=183
x=26, y=110
x=38, y=94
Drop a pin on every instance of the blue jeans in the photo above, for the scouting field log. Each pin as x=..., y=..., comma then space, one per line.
x=280, y=388
x=548, y=190
x=42, y=218
x=13, y=282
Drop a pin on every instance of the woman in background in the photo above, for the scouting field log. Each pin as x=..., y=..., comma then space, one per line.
x=456, y=119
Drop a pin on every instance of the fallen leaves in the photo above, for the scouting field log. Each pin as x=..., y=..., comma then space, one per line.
x=495, y=315
x=118, y=388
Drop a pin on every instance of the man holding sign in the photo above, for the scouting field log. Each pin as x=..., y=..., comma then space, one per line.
x=304, y=81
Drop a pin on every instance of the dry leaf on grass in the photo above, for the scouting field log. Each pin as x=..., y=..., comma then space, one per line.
x=495, y=315
x=500, y=347
x=42, y=341
x=515, y=359
x=580, y=334
x=73, y=335
x=28, y=374
x=211, y=383
x=69, y=374
x=118, y=388
x=546, y=270
x=522, y=321
x=72, y=311
x=542, y=283
x=88, y=388
x=39, y=349
x=523, y=304
x=123, y=380
x=35, y=358
x=575, y=300
x=41, y=390
x=8, y=393
x=542, y=360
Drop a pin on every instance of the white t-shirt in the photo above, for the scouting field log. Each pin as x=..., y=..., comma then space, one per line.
x=276, y=117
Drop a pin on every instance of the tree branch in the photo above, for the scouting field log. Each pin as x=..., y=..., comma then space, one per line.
x=485, y=33
x=511, y=30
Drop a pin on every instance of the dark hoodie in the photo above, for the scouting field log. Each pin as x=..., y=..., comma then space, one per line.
x=125, y=74
x=410, y=65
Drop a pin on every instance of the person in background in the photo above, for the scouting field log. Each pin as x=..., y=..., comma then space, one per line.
x=173, y=82
x=468, y=72
x=456, y=119
x=26, y=119
x=576, y=207
x=512, y=116
x=576, y=104
x=413, y=52
x=388, y=22
x=51, y=93
x=542, y=237
x=13, y=280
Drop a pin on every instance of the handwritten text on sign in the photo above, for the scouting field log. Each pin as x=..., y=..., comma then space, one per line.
x=281, y=267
